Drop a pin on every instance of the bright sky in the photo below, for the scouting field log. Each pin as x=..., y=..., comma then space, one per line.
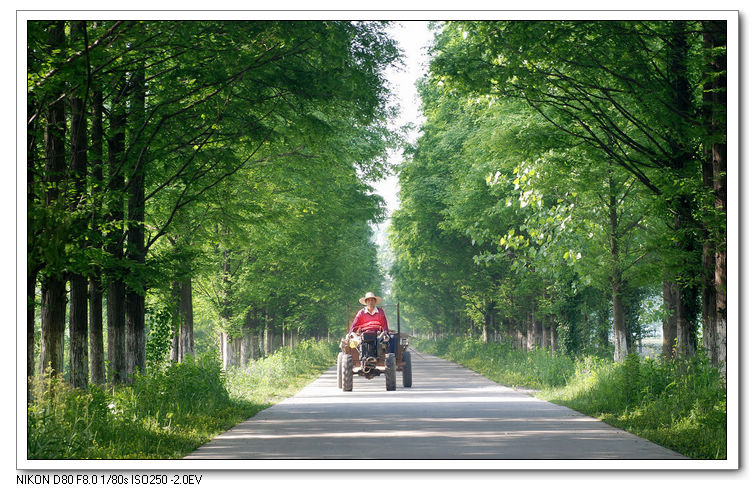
x=413, y=37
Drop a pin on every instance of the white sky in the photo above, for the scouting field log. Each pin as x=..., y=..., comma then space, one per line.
x=413, y=37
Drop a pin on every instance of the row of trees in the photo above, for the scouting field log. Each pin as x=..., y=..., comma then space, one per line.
x=567, y=173
x=169, y=157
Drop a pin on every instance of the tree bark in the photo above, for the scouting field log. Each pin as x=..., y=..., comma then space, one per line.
x=708, y=287
x=183, y=337
x=716, y=40
x=96, y=343
x=31, y=292
x=135, y=331
x=620, y=347
x=685, y=324
x=186, y=315
x=682, y=204
x=230, y=348
x=54, y=286
x=544, y=335
x=266, y=341
x=33, y=260
x=670, y=302
x=116, y=293
x=53, y=324
x=554, y=335
x=78, y=322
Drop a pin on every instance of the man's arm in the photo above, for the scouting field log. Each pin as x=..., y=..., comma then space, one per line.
x=354, y=323
x=384, y=321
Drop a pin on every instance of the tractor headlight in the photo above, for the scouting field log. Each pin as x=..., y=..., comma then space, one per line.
x=404, y=341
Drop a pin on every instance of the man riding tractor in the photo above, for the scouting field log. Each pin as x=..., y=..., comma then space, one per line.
x=370, y=348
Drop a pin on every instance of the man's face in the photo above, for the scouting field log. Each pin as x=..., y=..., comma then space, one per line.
x=371, y=302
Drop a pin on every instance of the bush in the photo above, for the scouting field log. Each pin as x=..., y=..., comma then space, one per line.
x=504, y=363
x=273, y=375
x=167, y=412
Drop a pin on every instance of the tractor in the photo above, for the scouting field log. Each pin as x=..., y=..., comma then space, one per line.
x=375, y=354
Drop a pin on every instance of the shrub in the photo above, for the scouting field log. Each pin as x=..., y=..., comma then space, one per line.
x=166, y=412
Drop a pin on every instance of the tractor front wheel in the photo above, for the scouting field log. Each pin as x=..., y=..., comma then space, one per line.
x=406, y=372
x=339, y=369
x=347, y=372
x=390, y=372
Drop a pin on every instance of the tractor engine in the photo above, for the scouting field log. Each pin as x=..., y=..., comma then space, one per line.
x=368, y=354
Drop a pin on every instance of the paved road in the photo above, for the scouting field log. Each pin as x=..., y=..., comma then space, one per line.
x=449, y=413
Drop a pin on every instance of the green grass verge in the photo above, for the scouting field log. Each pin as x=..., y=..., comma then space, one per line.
x=680, y=405
x=168, y=412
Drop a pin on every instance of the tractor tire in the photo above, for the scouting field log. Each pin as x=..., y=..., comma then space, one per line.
x=406, y=372
x=390, y=372
x=339, y=370
x=347, y=372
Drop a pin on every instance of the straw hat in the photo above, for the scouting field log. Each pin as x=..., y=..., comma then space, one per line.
x=370, y=295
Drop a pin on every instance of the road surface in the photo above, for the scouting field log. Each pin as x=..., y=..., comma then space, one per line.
x=450, y=412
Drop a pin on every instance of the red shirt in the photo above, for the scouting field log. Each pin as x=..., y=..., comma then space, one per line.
x=370, y=322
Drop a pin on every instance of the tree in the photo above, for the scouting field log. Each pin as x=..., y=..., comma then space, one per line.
x=188, y=111
x=628, y=89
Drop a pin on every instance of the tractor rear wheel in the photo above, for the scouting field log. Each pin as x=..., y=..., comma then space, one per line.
x=339, y=369
x=347, y=372
x=390, y=372
x=406, y=372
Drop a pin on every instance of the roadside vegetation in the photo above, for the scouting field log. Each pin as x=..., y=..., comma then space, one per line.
x=679, y=404
x=167, y=412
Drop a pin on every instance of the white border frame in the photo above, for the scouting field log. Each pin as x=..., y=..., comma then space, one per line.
x=733, y=146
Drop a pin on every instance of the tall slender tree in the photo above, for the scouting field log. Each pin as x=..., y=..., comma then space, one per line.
x=53, y=281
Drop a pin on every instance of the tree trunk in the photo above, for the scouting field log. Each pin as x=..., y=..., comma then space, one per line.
x=685, y=322
x=716, y=37
x=708, y=287
x=670, y=302
x=33, y=260
x=96, y=346
x=54, y=286
x=620, y=346
x=230, y=351
x=619, y=326
x=186, y=316
x=266, y=341
x=175, y=344
x=116, y=289
x=681, y=160
x=532, y=331
x=544, y=336
x=554, y=335
x=245, y=353
x=135, y=342
x=78, y=322
x=135, y=331
x=31, y=292
x=79, y=341
x=53, y=324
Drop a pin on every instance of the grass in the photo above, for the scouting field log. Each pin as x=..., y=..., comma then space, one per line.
x=680, y=405
x=167, y=412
